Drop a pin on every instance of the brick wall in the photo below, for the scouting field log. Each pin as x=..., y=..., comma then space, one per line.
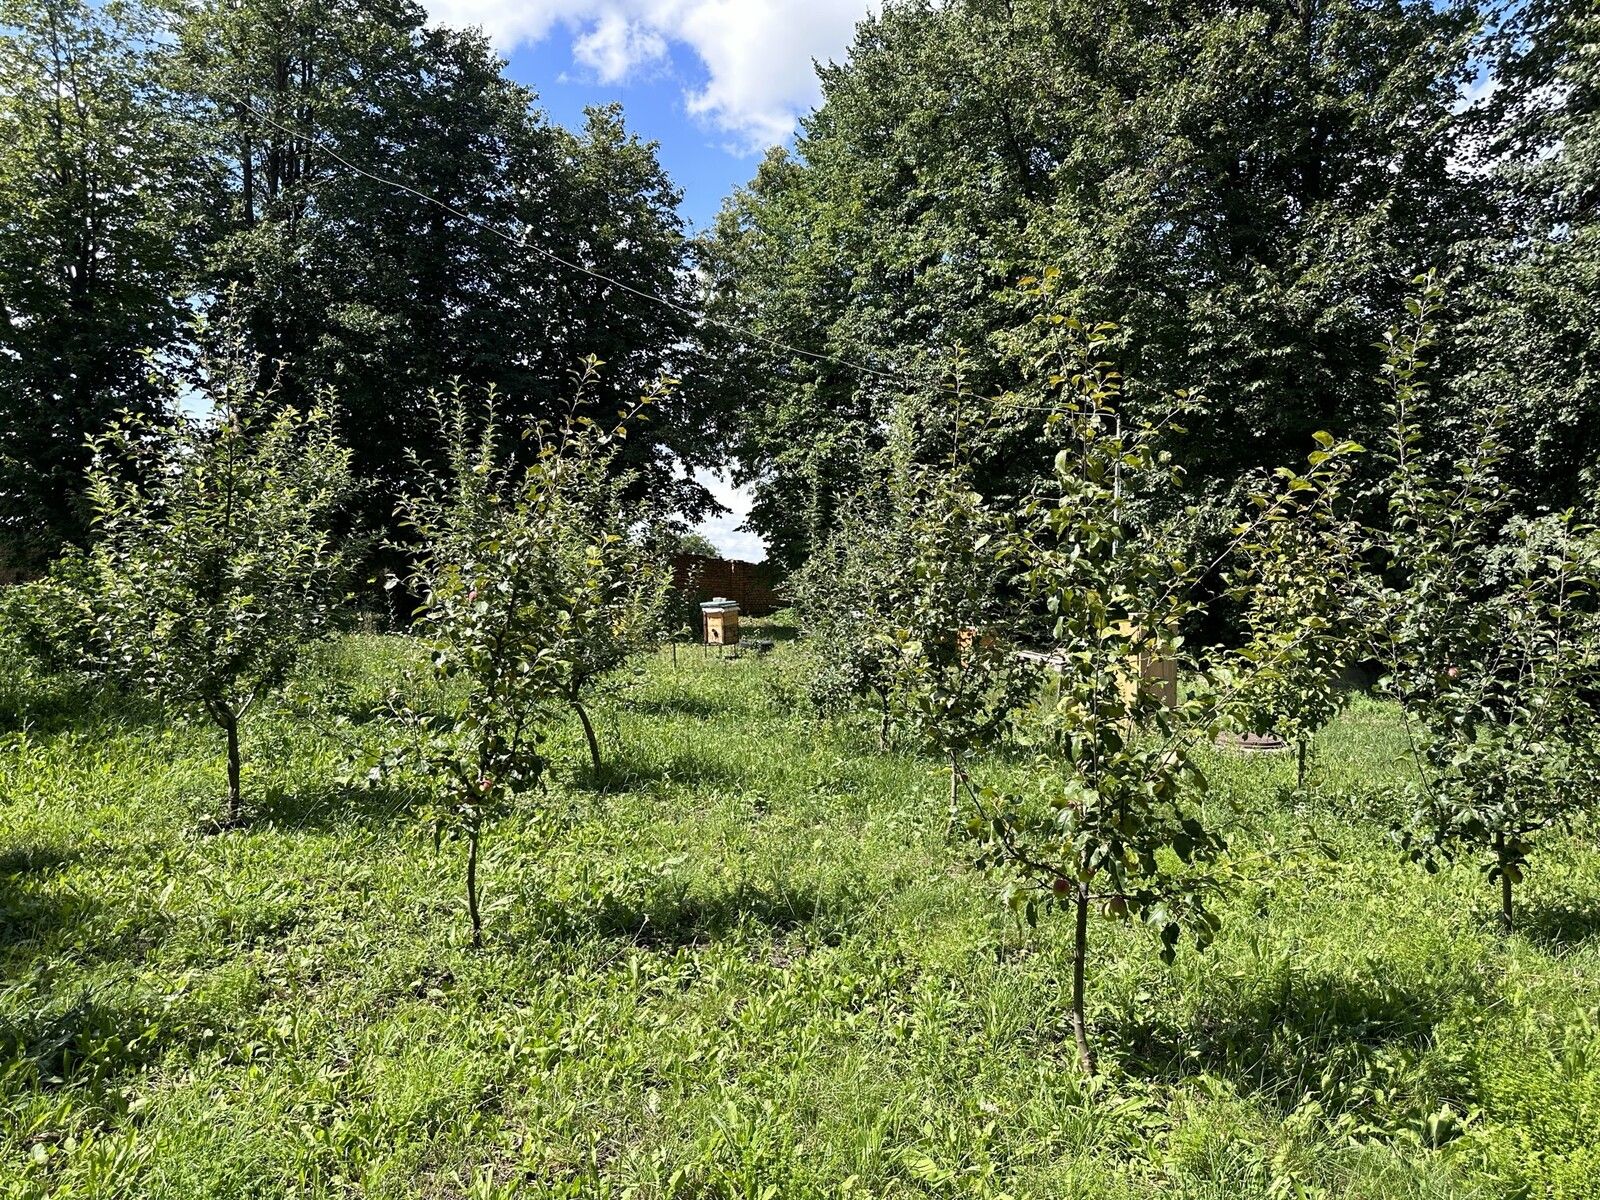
x=756, y=586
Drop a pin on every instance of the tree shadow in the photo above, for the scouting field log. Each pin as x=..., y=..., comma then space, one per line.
x=1285, y=1038
x=1556, y=927
x=40, y=858
x=66, y=705
x=43, y=923
x=676, y=705
x=324, y=808
x=28, y=915
x=357, y=711
x=625, y=771
x=90, y=1042
x=762, y=629
x=669, y=916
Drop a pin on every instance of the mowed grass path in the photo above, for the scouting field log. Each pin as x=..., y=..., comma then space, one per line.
x=746, y=962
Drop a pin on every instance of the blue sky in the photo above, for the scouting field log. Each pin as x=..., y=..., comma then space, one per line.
x=693, y=155
x=714, y=82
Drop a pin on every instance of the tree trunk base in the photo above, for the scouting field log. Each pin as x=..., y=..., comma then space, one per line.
x=589, y=736
x=1080, y=955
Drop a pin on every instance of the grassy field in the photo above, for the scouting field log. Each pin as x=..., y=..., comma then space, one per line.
x=746, y=962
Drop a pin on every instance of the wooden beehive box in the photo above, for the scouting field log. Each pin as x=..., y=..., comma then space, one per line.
x=1151, y=673
x=720, y=618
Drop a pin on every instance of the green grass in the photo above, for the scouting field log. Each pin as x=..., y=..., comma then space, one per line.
x=744, y=963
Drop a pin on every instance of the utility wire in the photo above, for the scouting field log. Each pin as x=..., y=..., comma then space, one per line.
x=524, y=243
x=1002, y=410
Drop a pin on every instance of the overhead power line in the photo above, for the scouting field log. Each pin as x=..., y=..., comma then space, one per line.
x=524, y=243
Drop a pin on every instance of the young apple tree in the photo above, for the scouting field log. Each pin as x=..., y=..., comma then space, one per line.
x=1113, y=821
x=842, y=601
x=1110, y=824
x=614, y=575
x=508, y=593
x=1297, y=584
x=1488, y=625
x=212, y=561
x=954, y=671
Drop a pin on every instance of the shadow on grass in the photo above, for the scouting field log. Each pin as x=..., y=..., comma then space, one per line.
x=331, y=807
x=669, y=917
x=90, y=1042
x=37, y=859
x=45, y=925
x=677, y=706
x=28, y=915
x=65, y=705
x=1292, y=1036
x=626, y=770
x=764, y=628
x=1556, y=928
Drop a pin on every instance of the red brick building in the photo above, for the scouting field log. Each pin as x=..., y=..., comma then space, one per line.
x=756, y=586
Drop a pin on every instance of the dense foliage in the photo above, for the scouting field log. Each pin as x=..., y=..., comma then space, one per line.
x=1239, y=188
x=158, y=159
x=98, y=198
x=1488, y=625
x=1524, y=338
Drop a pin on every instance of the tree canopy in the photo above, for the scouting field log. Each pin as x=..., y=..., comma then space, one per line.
x=384, y=208
x=1241, y=189
x=96, y=168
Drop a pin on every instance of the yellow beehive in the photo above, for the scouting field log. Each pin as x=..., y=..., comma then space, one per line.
x=721, y=619
x=1150, y=671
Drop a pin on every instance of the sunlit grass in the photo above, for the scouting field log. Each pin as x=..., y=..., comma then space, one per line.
x=743, y=962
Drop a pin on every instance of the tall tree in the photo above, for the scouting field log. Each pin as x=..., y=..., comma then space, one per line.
x=1529, y=327
x=96, y=174
x=1241, y=188
x=383, y=292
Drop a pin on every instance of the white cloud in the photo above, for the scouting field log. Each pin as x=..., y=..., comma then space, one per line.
x=724, y=532
x=757, y=54
x=507, y=22
x=616, y=47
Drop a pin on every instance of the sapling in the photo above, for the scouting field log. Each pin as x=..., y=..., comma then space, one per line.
x=1111, y=802
x=842, y=602
x=1488, y=625
x=502, y=609
x=955, y=674
x=1297, y=583
x=1113, y=820
x=614, y=574
x=212, y=562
